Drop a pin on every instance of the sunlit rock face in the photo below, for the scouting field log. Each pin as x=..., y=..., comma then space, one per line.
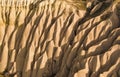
x=59, y=38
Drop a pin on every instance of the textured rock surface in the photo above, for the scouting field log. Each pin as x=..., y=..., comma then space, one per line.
x=57, y=38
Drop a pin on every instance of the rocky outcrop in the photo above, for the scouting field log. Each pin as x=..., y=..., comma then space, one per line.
x=60, y=38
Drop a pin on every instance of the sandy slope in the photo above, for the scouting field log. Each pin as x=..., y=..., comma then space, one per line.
x=56, y=39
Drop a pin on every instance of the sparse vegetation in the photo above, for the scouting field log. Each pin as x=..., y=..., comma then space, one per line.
x=1, y=76
x=77, y=4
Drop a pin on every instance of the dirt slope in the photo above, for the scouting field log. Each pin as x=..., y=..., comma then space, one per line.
x=58, y=38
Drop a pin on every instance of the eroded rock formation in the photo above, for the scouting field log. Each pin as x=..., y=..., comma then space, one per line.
x=60, y=38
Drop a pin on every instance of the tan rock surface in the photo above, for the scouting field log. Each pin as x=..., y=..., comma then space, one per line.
x=59, y=38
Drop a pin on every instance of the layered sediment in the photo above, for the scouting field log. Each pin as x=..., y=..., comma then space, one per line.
x=59, y=38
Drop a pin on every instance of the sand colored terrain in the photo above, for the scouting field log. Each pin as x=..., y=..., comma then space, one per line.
x=54, y=38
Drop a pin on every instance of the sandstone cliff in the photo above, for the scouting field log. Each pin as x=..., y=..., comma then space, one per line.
x=59, y=38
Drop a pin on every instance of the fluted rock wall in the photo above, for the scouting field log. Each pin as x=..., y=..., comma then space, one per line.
x=58, y=38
